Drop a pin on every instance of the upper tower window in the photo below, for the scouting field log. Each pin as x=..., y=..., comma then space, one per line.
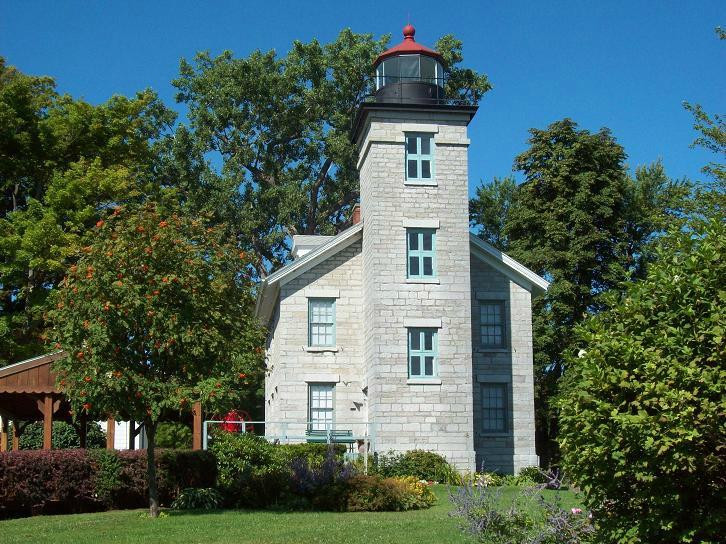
x=419, y=157
x=421, y=253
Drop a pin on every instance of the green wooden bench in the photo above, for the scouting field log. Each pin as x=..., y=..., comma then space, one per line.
x=342, y=436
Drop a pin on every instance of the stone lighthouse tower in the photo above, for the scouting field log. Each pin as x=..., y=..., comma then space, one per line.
x=416, y=279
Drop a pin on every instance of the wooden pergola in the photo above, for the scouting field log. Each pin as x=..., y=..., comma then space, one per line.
x=28, y=393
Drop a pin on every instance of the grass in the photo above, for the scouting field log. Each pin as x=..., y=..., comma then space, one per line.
x=242, y=526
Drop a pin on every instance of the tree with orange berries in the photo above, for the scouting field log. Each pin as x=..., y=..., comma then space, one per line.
x=158, y=313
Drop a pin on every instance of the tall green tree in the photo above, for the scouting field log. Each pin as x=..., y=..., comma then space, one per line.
x=281, y=127
x=158, y=313
x=581, y=221
x=643, y=398
x=62, y=161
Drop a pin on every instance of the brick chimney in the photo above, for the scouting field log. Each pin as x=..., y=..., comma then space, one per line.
x=355, y=214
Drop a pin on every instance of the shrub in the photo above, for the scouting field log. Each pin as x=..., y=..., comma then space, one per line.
x=525, y=519
x=252, y=472
x=174, y=435
x=423, y=465
x=533, y=474
x=323, y=486
x=315, y=454
x=642, y=405
x=30, y=479
x=70, y=481
x=175, y=470
x=64, y=436
x=377, y=494
x=192, y=498
x=107, y=475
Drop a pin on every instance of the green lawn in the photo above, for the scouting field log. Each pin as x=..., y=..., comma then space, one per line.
x=240, y=526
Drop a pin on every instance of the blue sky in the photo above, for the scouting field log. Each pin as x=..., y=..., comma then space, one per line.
x=626, y=65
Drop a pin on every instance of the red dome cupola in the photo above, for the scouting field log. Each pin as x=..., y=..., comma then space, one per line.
x=409, y=72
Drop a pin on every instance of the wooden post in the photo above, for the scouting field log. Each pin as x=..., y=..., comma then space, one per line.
x=110, y=433
x=48, y=422
x=197, y=426
x=16, y=435
x=4, y=434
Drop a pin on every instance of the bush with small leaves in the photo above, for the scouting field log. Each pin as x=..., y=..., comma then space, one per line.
x=423, y=465
x=64, y=436
x=643, y=399
x=205, y=498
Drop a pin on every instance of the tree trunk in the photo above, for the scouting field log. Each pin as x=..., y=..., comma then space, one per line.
x=151, y=468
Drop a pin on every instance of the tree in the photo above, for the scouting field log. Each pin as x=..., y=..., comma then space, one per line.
x=65, y=436
x=156, y=315
x=489, y=210
x=281, y=126
x=62, y=162
x=642, y=403
x=579, y=220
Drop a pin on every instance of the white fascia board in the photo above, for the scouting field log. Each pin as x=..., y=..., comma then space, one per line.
x=503, y=262
x=269, y=288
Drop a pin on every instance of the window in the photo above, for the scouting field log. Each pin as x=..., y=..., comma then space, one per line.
x=494, y=407
x=320, y=406
x=419, y=157
x=321, y=322
x=421, y=253
x=423, y=347
x=492, y=324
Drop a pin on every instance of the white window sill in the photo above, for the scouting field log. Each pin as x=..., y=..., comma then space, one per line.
x=491, y=350
x=420, y=183
x=423, y=381
x=321, y=349
x=433, y=281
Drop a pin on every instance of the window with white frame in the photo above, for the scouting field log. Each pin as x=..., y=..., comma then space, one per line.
x=419, y=157
x=494, y=407
x=421, y=253
x=423, y=352
x=321, y=322
x=491, y=323
x=320, y=406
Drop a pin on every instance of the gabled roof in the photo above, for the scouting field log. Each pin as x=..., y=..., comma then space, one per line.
x=28, y=376
x=270, y=286
x=514, y=270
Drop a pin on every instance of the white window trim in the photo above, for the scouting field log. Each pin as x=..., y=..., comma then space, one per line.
x=322, y=292
x=434, y=281
x=421, y=223
x=422, y=323
x=434, y=380
x=322, y=378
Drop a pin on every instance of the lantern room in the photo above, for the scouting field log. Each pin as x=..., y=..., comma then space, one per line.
x=409, y=72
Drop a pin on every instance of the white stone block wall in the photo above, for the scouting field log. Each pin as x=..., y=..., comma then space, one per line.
x=436, y=417
x=291, y=366
x=510, y=451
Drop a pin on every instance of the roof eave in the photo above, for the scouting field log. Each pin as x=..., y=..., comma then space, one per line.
x=516, y=270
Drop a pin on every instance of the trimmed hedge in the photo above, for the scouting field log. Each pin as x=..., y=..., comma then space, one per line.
x=74, y=481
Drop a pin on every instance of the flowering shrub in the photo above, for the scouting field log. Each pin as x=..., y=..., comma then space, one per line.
x=375, y=494
x=528, y=518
